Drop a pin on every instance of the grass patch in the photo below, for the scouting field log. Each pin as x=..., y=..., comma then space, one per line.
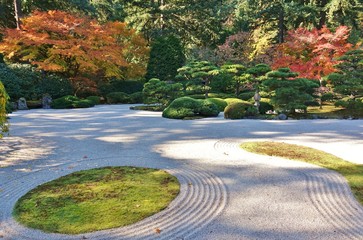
x=352, y=172
x=96, y=199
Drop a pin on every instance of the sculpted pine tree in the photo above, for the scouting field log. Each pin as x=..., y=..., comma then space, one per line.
x=78, y=47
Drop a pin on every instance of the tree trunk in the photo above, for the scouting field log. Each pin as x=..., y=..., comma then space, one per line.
x=281, y=25
x=322, y=17
x=17, y=14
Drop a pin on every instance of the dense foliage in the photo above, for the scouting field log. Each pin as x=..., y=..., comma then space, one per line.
x=3, y=101
x=166, y=56
x=290, y=93
x=313, y=54
x=186, y=107
x=23, y=80
x=80, y=48
x=161, y=92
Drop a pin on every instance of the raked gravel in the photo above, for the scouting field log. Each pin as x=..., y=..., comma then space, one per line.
x=226, y=193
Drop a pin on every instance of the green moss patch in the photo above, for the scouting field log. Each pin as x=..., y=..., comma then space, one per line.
x=96, y=199
x=352, y=172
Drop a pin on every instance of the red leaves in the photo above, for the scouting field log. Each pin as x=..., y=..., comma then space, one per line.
x=313, y=53
x=80, y=47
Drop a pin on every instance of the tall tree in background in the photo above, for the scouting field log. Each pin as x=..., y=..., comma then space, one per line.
x=79, y=48
x=17, y=14
x=166, y=56
x=194, y=21
x=349, y=78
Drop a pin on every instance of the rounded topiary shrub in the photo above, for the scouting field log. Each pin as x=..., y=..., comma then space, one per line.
x=84, y=103
x=118, y=97
x=221, y=104
x=246, y=96
x=71, y=102
x=207, y=109
x=95, y=99
x=186, y=107
x=137, y=97
x=64, y=102
x=235, y=100
x=235, y=110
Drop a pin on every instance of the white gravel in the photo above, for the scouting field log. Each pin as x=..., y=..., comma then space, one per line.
x=226, y=193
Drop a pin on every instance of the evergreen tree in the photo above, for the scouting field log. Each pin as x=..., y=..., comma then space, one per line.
x=166, y=56
x=349, y=80
x=289, y=93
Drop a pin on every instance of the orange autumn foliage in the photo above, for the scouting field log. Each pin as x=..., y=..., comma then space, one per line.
x=313, y=54
x=78, y=47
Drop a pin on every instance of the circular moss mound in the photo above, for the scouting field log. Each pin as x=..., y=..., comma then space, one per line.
x=236, y=110
x=96, y=199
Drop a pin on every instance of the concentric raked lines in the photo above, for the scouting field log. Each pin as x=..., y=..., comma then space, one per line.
x=332, y=197
x=202, y=198
x=328, y=192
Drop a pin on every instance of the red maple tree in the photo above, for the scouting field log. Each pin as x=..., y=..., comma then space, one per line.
x=78, y=47
x=313, y=54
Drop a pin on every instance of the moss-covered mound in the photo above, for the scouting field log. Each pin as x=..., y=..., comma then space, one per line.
x=236, y=110
x=96, y=199
x=221, y=104
x=186, y=107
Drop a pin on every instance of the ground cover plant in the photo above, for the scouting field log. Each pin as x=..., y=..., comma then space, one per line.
x=96, y=199
x=352, y=172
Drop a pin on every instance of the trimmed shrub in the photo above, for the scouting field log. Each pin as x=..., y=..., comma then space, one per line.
x=237, y=100
x=251, y=111
x=64, y=102
x=207, y=109
x=160, y=92
x=118, y=97
x=351, y=104
x=83, y=103
x=246, y=96
x=71, y=102
x=137, y=97
x=327, y=97
x=94, y=99
x=186, y=107
x=235, y=110
x=264, y=107
x=34, y=104
x=221, y=104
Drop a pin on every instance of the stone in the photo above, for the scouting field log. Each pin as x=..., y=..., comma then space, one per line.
x=257, y=99
x=282, y=116
x=22, y=104
x=46, y=101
